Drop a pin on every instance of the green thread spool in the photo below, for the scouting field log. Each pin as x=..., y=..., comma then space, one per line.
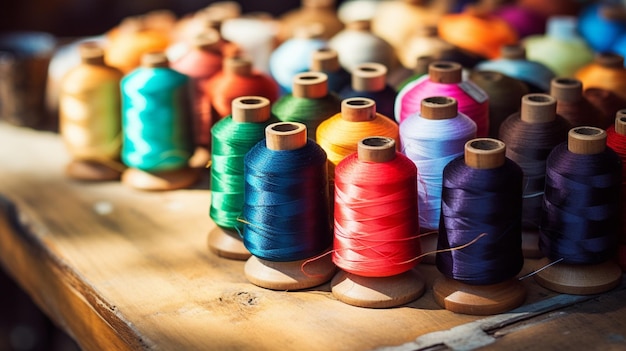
x=310, y=102
x=232, y=137
x=157, y=142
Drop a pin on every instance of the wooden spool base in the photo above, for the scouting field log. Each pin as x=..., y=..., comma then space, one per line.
x=169, y=180
x=530, y=244
x=226, y=243
x=200, y=158
x=481, y=300
x=289, y=275
x=381, y=292
x=579, y=279
x=88, y=170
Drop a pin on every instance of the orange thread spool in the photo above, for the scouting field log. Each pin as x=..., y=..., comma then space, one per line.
x=606, y=72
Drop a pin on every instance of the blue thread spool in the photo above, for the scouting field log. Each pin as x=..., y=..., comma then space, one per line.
x=157, y=142
x=600, y=30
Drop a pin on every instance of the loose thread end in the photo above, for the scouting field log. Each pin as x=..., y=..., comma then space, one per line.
x=313, y=259
x=444, y=250
x=540, y=269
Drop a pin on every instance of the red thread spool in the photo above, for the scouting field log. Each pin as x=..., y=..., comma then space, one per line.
x=616, y=140
x=572, y=105
x=236, y=79
x=376, y=227
x=606, y=72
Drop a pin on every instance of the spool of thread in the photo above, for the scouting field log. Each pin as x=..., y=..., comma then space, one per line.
x=89, y=116
x=314, y=12
x=236, y=79
x=572, y=105
x=369, y=80
x=326, y=60
x=395, y=20
x=156, y=143
x=552, y=8
x=514, y=64
x=424, y=41
x=294, y=55
x=616, y=140
x=445, y=79
x=479, y=278
x=420, y=70
x=523, y=20
x=599, y=30
x=605, y=72
x=356, y=44
x=201, y=63
x=505, y=94
x=581, y=218
x=286, y=210
x=376, y=229
x=431, y=139
x=310, y=102
x=482, y=35
x=356, y=10
x=233, y=137
x=561, y=49
x=530, y=136
x=607, y=102
x=131, y=39
x=254, y=37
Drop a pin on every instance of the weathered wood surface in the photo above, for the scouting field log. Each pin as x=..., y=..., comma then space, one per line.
x=122, y=269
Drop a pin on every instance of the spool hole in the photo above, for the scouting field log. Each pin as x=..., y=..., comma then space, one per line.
x=587, y=131
x=567, y=81
x=540, y=98
x=484, y=144
x=358, y=102
x=377, y=141
x=439, y=100
x=285, y=127
x=622, y=115
x=251, y=101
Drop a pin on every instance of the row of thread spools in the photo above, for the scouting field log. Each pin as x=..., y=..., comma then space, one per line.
x=269, y=212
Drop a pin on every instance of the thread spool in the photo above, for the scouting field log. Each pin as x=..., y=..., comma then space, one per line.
x=482, y=35
x=369, y=80
x=293, y=56
x=431, y=139
x=238, y=78
x=591, y=272
x=552, y=8
x=356, y=44
x=238, y=133
x=309, y=103
x=424, y=41
x=561, y=49
x=445, y=79
x=572, y=104
x=361, y=283
x=616, y=140
x=514, y=64
x=310, y=12
x=254, y=37
x=505, y=94
x=349, y=11
x=326, y=60
x=461, y=296
x=291, y=138
x=599, y=30
x=605, y=101
x=530, y=135
x=89, y=111
x=420, y=69
x=605, y=72
x=201, y=63
x=155, y=122
x=524, y=21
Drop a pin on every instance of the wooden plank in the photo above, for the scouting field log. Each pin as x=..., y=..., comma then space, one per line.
x=124, y=269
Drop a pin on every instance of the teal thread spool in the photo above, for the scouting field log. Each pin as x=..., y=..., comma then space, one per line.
x=157, y=141
x=232, y=137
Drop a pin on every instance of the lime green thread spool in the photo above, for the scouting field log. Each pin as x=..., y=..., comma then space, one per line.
x=232, y=137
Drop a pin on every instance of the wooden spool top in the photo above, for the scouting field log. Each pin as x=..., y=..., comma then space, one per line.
x=251, y=109
x=208, y=40
x=485, y=153
x=325, y=60
x=359, y=25
x=358, y=109
x=586, y=140
x=609, y=60
x=445, y=72
x=620, y=122
x=369, y=76
x=154, y=60
x=566, y=89
x=312, y=85
x=285, y=136
x=538, y=108
x=422, y=63
x=439, y=107
x=513, y=52
x=237, y=65
x=91, y=53
x=376, y=149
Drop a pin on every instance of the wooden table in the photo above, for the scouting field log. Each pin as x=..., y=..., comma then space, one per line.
x=121, y=269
